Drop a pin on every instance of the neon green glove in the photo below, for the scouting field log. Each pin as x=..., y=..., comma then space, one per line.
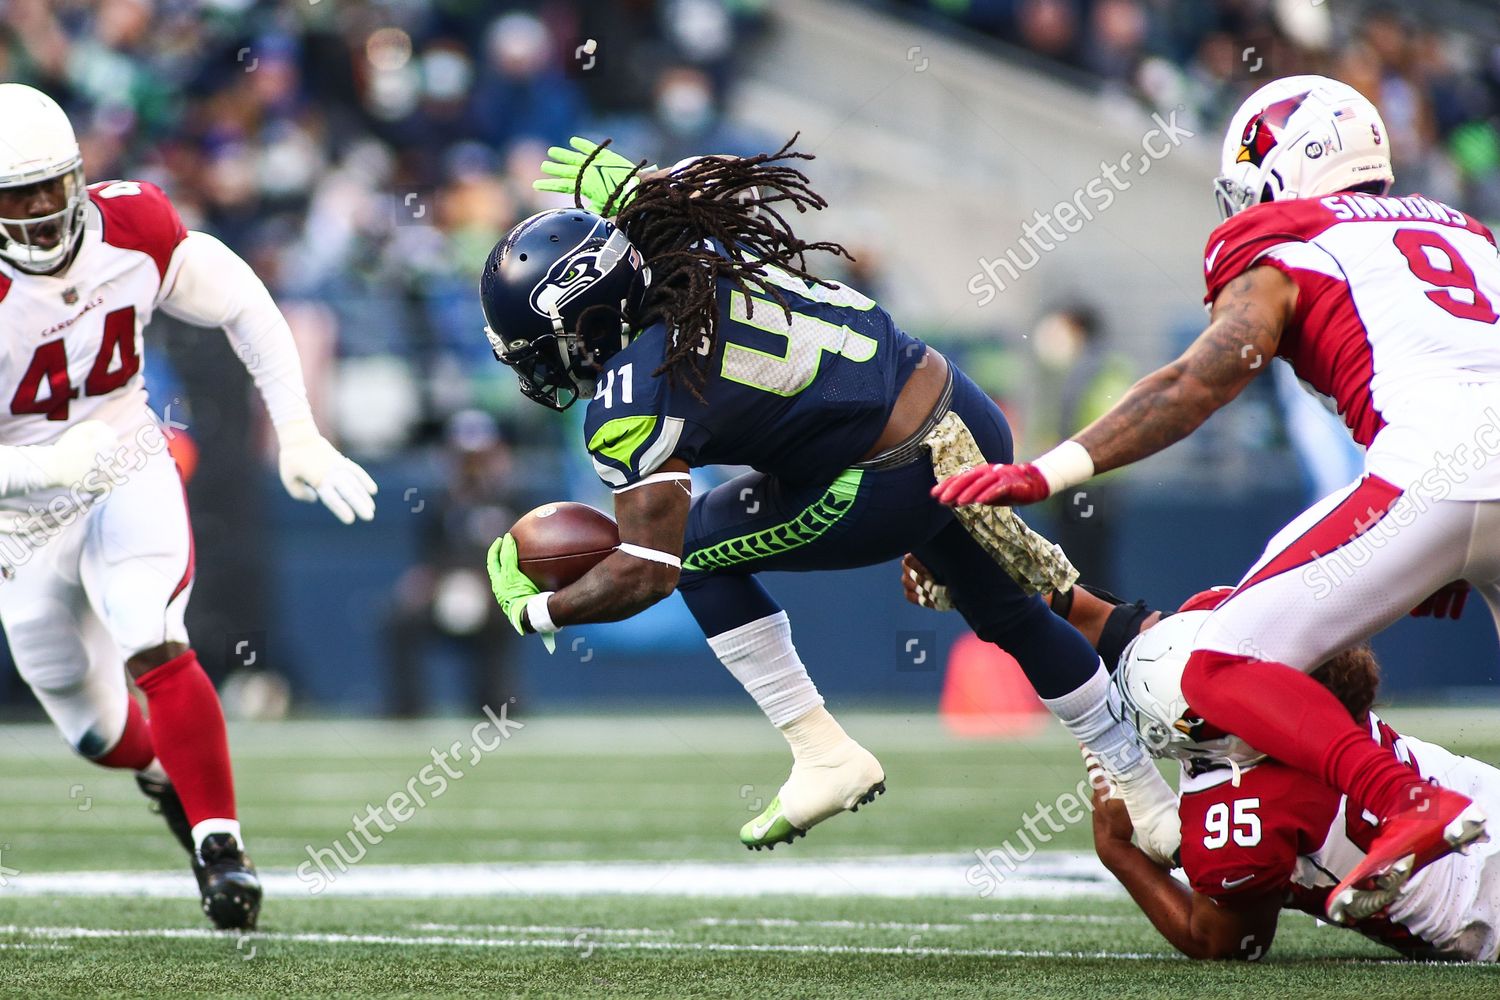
x=512, y=587
x=607, y=173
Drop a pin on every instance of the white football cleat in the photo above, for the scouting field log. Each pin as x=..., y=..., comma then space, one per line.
x=844, y=777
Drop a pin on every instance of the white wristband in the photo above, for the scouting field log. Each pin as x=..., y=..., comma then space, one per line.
x=536, y=613
x=651, y=555
x=1066, y=465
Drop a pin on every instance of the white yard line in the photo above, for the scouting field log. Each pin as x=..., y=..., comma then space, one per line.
x=640, y=733
x=1049, y=918
x=581, y=944
x=1054, y=875
x=628, y=932
x=839, y=925
x=48, y=946
x=886, y=925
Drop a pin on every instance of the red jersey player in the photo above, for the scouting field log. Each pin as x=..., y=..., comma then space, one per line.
x=1389, y=306
x=1259, y=837
x=96, y=552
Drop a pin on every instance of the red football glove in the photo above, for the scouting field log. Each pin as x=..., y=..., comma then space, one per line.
x=996, y=485
x=1446, y=602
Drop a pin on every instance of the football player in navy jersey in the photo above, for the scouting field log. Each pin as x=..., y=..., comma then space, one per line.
x=679, y=304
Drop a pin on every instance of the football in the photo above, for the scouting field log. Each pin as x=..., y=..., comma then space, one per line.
x=559, y=542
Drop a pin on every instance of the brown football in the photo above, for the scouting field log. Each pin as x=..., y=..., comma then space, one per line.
x=559, y=542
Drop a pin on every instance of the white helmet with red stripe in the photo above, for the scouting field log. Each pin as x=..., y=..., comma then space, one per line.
x=1147, y=696
x=39, y=147
x=1302, y=137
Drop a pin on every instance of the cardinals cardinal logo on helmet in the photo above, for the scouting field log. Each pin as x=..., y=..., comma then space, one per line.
x=1259, y=139
x=1256, y=142
x=1195, y=728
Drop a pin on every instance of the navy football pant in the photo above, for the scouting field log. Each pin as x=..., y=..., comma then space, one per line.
x=757, y=522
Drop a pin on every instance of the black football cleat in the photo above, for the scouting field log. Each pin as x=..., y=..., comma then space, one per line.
x=166, y=804
x=228, y=883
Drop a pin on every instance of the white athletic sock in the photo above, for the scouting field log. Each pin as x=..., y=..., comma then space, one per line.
x=813, y=735
x=761, y=656
x=217, y=825
x=1085, y=711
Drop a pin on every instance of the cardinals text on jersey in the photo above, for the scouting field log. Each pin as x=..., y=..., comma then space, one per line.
x=73, y=347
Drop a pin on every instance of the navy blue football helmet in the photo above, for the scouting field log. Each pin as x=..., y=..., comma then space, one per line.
x=557, y=294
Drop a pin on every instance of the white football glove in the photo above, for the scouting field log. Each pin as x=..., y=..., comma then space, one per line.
x=312, y=469
x=79, y=451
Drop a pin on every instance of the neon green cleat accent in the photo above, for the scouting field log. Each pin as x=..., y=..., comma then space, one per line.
x=831, y=773
x=770, y=828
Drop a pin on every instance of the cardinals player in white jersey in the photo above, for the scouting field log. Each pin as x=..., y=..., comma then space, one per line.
x=96, y=551
x=1389, y=306
x=1259, y=837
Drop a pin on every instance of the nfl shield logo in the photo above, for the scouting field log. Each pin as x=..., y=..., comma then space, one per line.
x=70, y=297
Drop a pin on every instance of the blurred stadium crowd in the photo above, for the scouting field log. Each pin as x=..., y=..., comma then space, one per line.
x=364, y=155
x=1432, y=68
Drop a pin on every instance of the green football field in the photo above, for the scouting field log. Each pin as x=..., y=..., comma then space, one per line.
x=596, y=856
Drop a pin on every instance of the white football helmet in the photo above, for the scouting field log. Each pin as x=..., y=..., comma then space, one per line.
x=39, y=145
x=1301, y=137
x=1147, y=695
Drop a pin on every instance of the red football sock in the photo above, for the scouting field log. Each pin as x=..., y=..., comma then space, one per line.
x=1285, y=713
x=187, y=728
x=133, y=750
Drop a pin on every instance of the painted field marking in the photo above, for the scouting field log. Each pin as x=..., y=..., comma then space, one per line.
x=886, y=925
x=547, y=929
x=1057, y=875
x=441, y=941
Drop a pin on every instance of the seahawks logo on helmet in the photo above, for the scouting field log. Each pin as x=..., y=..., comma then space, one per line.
x=576, y=273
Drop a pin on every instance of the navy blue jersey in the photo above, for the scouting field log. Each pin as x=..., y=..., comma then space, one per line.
x=801, y=397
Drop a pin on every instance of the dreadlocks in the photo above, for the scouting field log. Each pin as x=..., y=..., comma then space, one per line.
x=735, y=202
